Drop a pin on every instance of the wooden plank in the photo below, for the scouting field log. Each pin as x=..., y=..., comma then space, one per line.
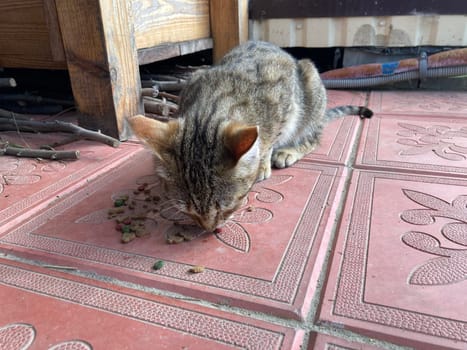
x=24, y=35
x=165, y=51
x=169, y=21
x=55, y=37
x=229, y=25
x=102, y=63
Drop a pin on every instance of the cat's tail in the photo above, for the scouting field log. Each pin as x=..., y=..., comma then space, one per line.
x=341, y=111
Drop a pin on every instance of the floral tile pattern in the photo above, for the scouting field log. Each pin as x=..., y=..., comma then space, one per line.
x=440, y=103
x=429, y=144
x=404, y=245
x=27, y=183
x=361, y=245
x=268, y=229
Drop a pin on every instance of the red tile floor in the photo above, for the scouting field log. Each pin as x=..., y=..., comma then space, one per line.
x=361, y=245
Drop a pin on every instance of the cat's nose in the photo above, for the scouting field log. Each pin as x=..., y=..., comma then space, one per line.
x=209, y=225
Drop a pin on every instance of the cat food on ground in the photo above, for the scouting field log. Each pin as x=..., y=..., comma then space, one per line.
x=142, y=187
x=159, y=264
x=128, y=237
x=114, y=212
x=196, y=269
x=174, y=239
x=277, y=112
x=121, y=201
x=182, y=232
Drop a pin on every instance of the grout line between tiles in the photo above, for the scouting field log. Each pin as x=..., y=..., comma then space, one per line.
x=310, y=321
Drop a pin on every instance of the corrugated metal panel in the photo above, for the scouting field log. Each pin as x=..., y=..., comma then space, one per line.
x=393, y=31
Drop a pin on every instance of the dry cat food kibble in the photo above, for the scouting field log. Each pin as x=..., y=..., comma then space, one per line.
x=127, y=222
x=196, y=269
x=128, y=237
x=159, y=264
x=281, y=131
x=182, y=232
x=175, y=238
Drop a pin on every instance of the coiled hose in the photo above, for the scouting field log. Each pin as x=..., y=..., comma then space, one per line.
x=443, y=64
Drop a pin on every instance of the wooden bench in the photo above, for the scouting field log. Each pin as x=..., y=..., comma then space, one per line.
x=103, y=42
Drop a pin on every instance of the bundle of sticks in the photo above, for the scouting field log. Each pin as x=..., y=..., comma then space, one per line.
x=160, y=99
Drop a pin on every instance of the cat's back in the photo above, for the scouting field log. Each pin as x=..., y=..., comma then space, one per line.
x=259, y=61
x=251, y=72
x=253, y=53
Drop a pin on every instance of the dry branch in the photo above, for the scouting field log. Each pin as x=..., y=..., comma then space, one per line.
x=8, y=114
x=163, y=85
x=151, y=92
x=35, y=99
x=170, y=97
x=158, y=106
x=37, y=153
x=56, y=126
x=7, y=82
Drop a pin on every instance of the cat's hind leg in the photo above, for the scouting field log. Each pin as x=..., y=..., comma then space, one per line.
x=284, y=157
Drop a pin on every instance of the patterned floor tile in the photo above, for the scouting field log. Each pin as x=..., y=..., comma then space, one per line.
x=440, y=103
x=26, y=183
x=266, y=258
x=398, y=269
x=319, y=341
x=338, y=137
x=428, y=144
x=46, y=310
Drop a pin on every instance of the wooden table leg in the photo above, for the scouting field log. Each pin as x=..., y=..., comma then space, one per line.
x=102, y=62
x=229, y=25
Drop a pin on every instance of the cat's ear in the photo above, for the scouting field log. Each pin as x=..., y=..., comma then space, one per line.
x=239, y=139
x=159, y=136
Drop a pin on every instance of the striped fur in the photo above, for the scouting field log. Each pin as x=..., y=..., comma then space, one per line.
x=341, y=111
x=258, y=108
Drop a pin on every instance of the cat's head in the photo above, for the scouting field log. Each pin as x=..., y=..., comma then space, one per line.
x=207, y=176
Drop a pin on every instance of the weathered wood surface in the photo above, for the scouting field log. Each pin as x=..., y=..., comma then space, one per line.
x=165, y=51
x=55, y=37
x=229, y=25
x=102, y=62
x=169, y=21
x=25, y=36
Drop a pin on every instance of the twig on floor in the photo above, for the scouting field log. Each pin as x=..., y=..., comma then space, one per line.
x=56, y=126
x=7, y=82
x=11, y=115
x=8, y=150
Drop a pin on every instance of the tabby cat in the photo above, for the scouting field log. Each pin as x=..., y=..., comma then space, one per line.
x=258, y=107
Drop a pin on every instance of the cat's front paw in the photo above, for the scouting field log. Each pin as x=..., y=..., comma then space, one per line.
x=285, y=158
x=264, y=172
